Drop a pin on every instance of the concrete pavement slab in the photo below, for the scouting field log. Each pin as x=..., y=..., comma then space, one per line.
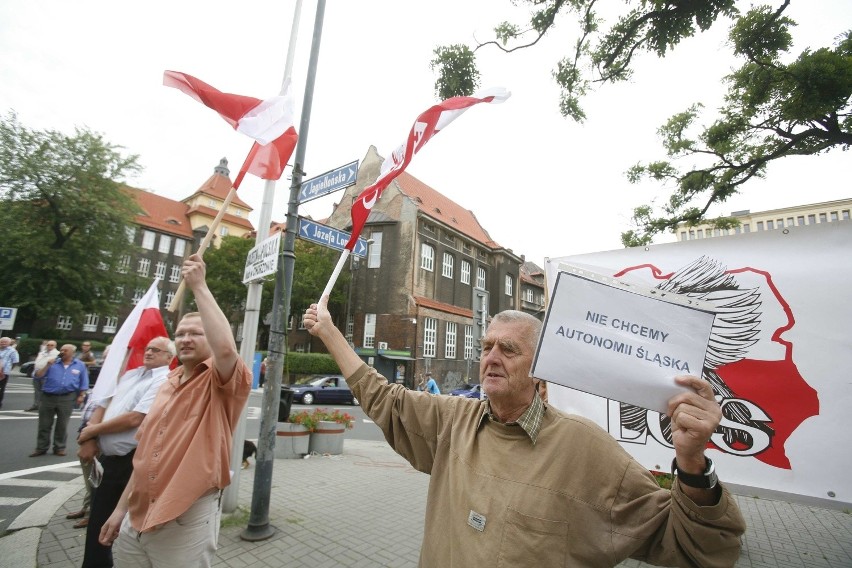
x=364, y=509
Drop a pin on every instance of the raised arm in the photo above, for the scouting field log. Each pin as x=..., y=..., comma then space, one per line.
x=695, y=416
x=217, y=329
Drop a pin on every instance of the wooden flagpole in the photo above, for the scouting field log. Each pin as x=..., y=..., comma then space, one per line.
x=204, y=244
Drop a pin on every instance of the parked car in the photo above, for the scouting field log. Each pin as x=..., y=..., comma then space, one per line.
x=328, y=389
x=469, y=391
x=27, y=368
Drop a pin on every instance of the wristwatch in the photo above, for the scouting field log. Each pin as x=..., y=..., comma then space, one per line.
x=706, y=480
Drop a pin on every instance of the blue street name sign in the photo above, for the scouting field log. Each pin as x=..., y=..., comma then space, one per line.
x=336, y=179
x=330, y=237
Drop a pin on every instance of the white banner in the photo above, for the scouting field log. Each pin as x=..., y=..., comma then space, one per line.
x=779, y=355
x=619, y=340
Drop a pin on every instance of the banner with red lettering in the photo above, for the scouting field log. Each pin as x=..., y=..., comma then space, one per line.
x=779, y=355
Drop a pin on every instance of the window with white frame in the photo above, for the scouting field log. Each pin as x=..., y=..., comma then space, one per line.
x=350, y=327
x=174, y=274
x=430, y=337
x=165, y=244
x=450, y=340
x=160, y=271
x=170, y=297
x=427, y=257
x=144, y=267
x=123, y=264
x=468, y=342
x=110, y=324
x=212, y=203
x=480, y=277
x=374, y=252
x=510, y=284
x=91, y=322
x=137, y=295
x=101, y=264
x=465, y=272
x=117, y=294
x=180, y=247
x=148, y=238
x=370, y=330
x=223, y=231
x=447, y=266
x=63, y=323
x=528, y=295
x=130, y=233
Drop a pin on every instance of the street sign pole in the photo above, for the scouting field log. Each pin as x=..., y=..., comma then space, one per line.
x=258, y=524
x=251, y=319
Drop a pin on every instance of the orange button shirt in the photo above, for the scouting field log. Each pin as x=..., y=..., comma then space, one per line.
x=184, y=447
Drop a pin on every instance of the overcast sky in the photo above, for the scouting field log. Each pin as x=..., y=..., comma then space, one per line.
x=541, y=184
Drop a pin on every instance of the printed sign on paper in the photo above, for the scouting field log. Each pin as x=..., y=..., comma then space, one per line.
x=616, y=340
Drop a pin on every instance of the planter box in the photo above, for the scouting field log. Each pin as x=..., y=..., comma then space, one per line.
x=291, y=441
x=327, y=438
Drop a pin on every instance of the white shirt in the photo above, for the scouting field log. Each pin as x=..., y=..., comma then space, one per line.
x=135, y=392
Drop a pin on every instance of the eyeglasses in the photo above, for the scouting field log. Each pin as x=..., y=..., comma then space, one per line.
x=154, y=350
x=189, y=335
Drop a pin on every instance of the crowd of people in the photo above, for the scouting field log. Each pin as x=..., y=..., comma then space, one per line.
x=513, y=480
x=174, y=424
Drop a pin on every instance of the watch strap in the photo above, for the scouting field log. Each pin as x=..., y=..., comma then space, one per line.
x=706, y=480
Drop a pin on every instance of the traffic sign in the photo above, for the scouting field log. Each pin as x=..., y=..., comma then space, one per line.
x=331, y=181
x=330, y=237
x=262, y=260
x=7, y=317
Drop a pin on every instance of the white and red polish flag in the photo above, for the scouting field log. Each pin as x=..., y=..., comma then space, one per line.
x=269, y=122
x=127, y=350
x=425, y=127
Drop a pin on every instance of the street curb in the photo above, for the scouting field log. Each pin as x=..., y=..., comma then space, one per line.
x=39, y=513
x=20, y=549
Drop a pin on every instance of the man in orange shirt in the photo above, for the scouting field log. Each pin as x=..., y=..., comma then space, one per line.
x=169, y=512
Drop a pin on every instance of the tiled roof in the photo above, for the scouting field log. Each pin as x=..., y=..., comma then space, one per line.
x=532, y=273
x=229, y=217
x=442, y=307
x=443, y=209
x=218, y=186
x=161, y=213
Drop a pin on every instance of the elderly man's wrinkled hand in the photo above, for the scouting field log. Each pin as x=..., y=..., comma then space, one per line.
x=695, y=416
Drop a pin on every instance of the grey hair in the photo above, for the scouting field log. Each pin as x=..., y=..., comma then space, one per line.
x=170, y=345
x=515, y=316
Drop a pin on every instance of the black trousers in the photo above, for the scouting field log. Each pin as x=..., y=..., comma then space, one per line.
x=117, y=470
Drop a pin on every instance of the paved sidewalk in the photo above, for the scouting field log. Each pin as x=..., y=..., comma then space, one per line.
x=365, y=509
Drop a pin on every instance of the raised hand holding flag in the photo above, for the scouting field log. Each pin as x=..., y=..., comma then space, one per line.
x=429, y=123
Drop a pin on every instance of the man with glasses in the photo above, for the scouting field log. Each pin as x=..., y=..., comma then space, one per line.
x=169, y=512
x=111, y=436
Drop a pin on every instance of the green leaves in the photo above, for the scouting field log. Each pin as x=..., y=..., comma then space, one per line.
x=776, y=106
x=458, y=75
x=63, y=220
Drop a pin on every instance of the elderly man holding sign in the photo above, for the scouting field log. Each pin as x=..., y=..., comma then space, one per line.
x=516, y=482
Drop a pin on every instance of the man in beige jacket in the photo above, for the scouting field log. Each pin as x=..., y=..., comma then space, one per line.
x=515, y=482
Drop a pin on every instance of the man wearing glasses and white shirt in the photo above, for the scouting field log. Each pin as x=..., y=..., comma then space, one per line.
x=111, y=432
